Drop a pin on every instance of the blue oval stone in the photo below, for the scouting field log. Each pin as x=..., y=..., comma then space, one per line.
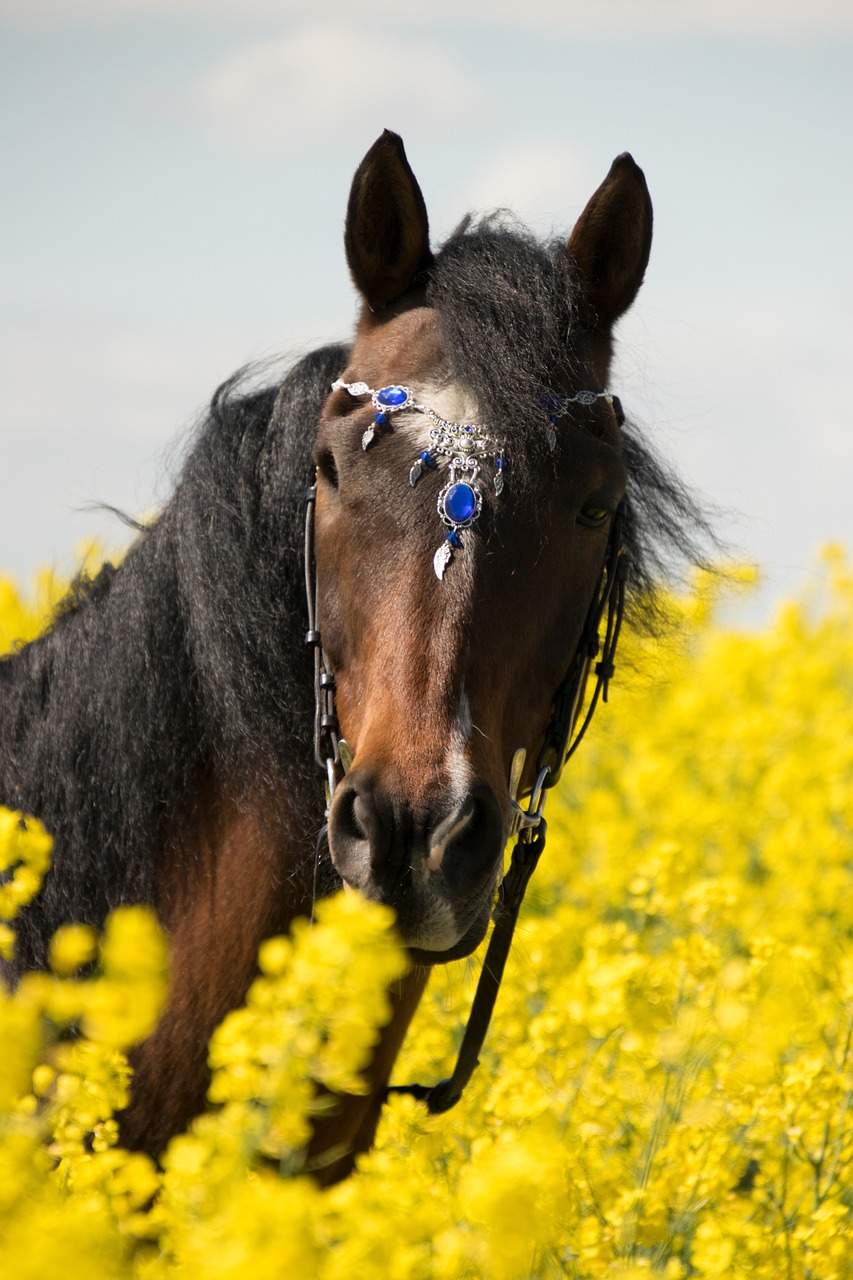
x=392, y=395
x=460, y=503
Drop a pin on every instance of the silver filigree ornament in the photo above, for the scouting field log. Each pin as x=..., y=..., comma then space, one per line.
x=556, y=406
x=466, y=446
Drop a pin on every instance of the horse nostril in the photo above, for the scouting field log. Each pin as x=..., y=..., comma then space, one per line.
x=360, y=817
x=349, y=840
x=472, y=849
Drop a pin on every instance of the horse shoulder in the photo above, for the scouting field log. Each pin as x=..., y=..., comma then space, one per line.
x=222, y=889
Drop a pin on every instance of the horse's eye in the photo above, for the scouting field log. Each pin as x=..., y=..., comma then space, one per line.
x=327, y=467
x=593, y=517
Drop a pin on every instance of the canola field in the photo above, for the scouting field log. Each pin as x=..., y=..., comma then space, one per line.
x=667, y=1086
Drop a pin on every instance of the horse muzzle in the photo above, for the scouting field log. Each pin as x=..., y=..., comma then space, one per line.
x=436, y=863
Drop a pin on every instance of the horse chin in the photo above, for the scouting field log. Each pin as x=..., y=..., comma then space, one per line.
x=468, y=943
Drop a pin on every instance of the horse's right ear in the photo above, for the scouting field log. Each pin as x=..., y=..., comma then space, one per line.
x=611, y=243
x=387, y=232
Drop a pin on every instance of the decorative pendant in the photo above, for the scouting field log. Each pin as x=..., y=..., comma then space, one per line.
x=385, y=401
x=460, y=501
x=442, y=559
x=459, y=504
x=391, y=399
x=466, y=446
x=379, y=420
x=426, y=462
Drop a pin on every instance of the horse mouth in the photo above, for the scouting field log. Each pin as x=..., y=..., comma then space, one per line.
x=466, y=945
x=431, y=940
x=438, y=930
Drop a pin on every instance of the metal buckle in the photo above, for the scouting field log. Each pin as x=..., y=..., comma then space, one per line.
x=525, y=820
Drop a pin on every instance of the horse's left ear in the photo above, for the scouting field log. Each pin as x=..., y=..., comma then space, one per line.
x=611, y=242
x=387, y=231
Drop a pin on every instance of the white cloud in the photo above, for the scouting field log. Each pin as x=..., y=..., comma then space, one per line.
x=579, y=18
x=95, y=410
x=317, y=82
x=546, y=181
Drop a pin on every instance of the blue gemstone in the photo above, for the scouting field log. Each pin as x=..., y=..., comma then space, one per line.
x=392, y=395
x=460, y=503
x=499, y=463
x=453, y=538
x=427, y=459
x=380, y=419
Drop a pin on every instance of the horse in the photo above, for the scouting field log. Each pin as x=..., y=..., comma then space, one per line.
x=463, y=466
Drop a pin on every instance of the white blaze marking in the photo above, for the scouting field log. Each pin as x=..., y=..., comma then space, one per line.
x=459, y=775
x=464, y=724
x=449, y=402
x=457, y=767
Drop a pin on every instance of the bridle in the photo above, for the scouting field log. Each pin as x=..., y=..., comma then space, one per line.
x=594, y=657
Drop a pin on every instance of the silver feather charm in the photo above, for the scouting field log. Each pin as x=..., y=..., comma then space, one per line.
x=368, y=436
x=442, y=559
x=416, y=473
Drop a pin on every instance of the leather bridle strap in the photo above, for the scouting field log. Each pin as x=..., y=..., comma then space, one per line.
x=558, y=746
x=446, y=1093
x=327, y=752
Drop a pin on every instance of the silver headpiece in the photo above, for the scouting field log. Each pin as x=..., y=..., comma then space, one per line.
x=467, y=446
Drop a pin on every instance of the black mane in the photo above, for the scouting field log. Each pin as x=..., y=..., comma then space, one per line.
x=187, y=665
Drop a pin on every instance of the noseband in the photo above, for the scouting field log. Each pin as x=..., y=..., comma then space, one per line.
x=594, y=657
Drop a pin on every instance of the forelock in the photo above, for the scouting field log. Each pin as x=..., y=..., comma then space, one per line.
x=506, y=308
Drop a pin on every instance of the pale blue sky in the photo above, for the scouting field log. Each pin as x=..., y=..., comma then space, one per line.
x=174, y=182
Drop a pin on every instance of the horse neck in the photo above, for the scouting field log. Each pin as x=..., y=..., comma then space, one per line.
x=106, y=736
x=176, y=690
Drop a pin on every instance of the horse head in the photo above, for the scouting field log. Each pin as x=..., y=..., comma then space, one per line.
x=469, y=469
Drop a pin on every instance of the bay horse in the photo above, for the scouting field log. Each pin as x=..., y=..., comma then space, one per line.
x=466, y=464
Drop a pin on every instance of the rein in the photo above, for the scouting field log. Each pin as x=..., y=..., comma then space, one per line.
x=528, y=825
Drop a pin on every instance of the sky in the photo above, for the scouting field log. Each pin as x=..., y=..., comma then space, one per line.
x=175, y=175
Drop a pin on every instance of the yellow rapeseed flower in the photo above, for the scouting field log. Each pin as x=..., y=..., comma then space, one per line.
x=667, y=1086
